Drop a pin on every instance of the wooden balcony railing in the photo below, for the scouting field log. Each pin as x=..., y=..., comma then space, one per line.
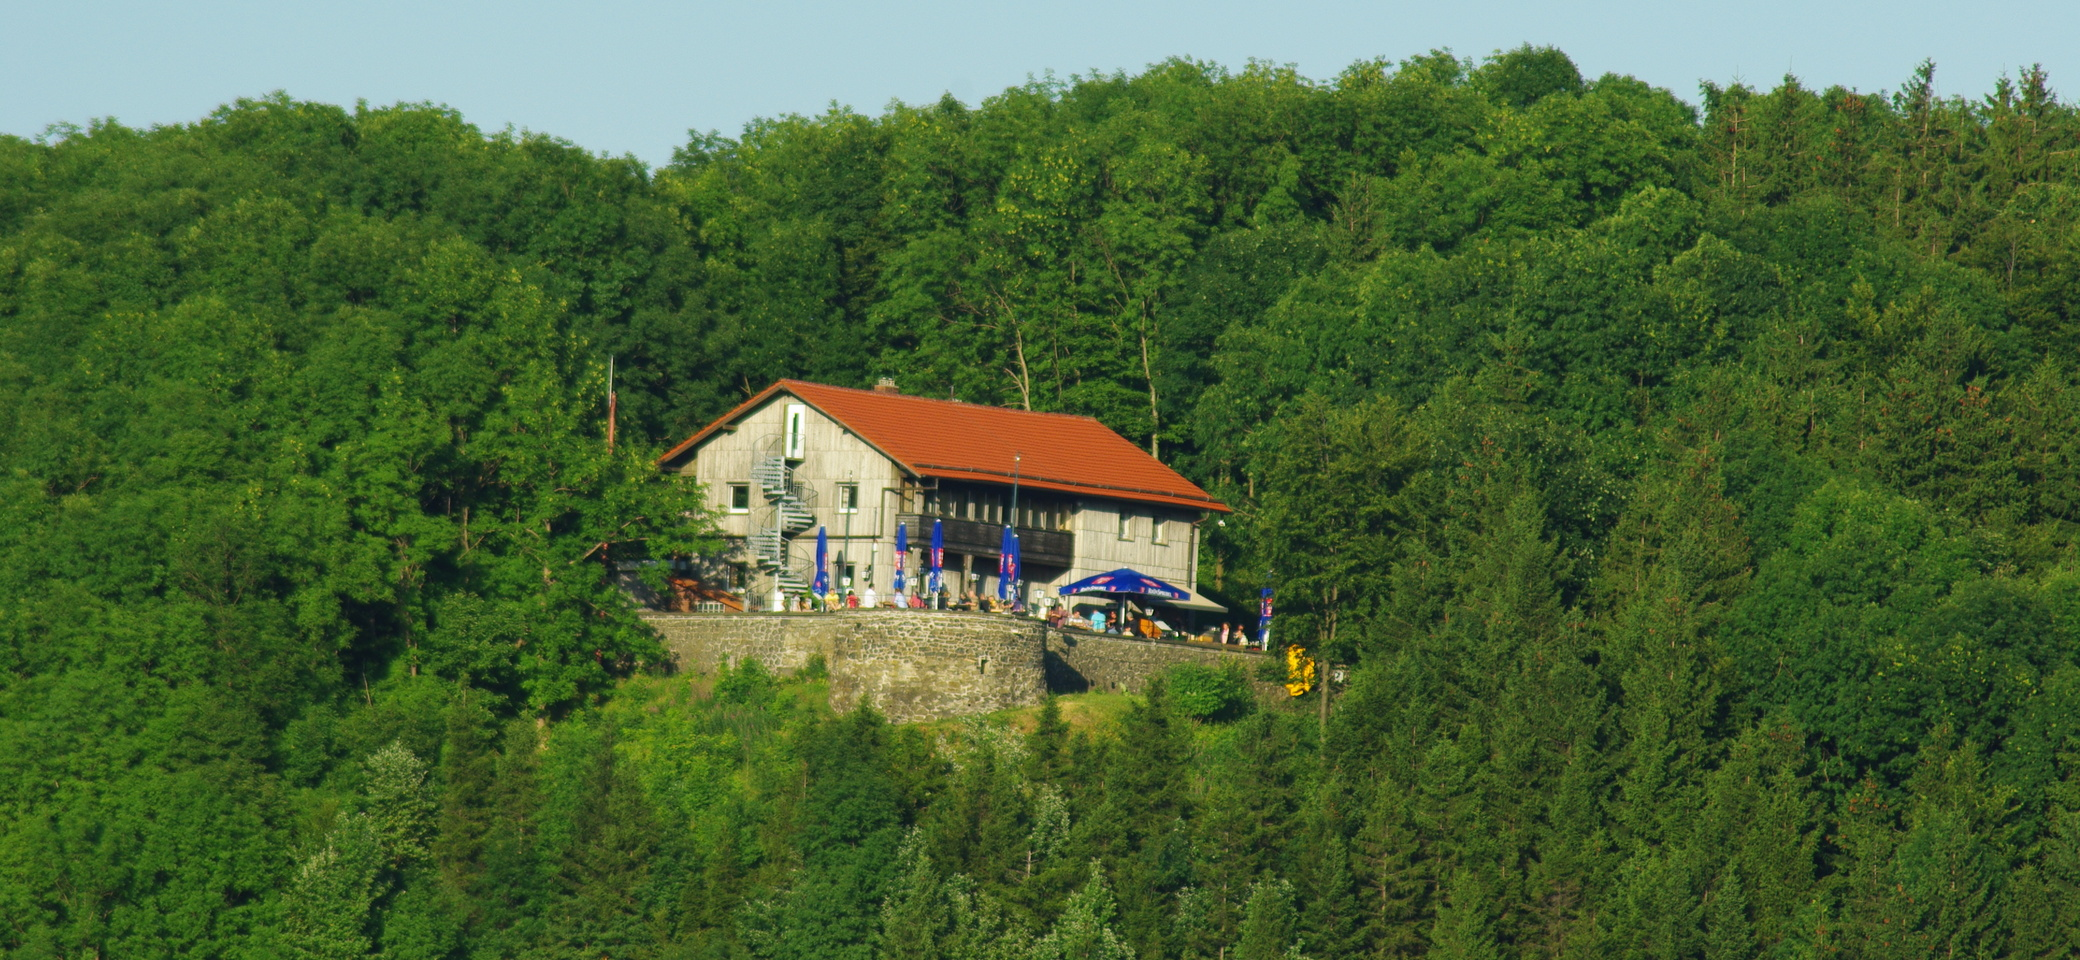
x=1054, y=548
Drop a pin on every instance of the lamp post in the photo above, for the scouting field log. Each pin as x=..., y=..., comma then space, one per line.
x=1014, y=591
x=880, y=528
x=845, y=551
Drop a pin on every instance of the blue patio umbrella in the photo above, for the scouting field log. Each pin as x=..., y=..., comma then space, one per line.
x=1264, y=619
x=1007, y=565
x=935, y=585
x=902, y=555
x=822, y=586
x=1124, y=582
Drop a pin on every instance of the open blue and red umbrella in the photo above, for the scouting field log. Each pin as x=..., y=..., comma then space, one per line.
x=1124, y=582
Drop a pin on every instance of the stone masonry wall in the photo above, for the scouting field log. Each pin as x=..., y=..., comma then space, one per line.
x=1078, y=661
x=911, y=665
x=928, y=665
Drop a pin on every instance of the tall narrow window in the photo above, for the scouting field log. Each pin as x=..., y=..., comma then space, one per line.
x=740, y=498
x=1158, y=530
x=797, y=422
x=848, y=498
x=1126, y=525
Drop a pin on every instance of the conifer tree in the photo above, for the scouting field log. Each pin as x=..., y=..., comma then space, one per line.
x=1270, y=928
x=603, y=874
x=1331, y=921
x=916, y=919
x=1084, y=930
x=327, y=909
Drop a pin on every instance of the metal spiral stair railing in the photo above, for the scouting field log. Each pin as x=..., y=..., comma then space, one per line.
x=788, y=510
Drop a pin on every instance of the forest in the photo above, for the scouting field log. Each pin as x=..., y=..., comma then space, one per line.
x=1691, y=486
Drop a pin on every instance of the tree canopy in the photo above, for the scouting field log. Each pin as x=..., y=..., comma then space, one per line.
x=1690, y=490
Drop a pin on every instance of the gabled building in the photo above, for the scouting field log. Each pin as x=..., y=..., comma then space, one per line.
x=799, y=455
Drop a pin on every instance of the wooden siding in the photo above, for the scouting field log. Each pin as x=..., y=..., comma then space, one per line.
x=833, y=455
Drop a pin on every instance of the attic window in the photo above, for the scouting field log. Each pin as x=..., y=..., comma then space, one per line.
x=797, y=422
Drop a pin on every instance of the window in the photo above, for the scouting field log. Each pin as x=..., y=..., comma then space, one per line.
x=1126, y=525
x=848, y=498
x=797, y=422
x=1158, y=530
x=845, y=572
x=740, y=498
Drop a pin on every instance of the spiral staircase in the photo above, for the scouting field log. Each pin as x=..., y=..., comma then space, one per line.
x=787, y=511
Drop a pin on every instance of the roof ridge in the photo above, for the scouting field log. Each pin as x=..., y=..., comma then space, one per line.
x=955, y=403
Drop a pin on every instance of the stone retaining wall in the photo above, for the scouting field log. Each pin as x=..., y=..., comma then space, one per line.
x=911, y=665
x=928, y=665
x=1079, y=661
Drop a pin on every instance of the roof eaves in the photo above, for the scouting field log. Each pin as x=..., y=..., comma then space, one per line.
x=855, y=431
x=720, y=422
x=1139, y=494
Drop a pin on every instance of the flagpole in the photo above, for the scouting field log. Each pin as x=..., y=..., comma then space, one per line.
x=1014, y=526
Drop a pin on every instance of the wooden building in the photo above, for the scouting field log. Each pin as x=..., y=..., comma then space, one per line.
x=858, y=462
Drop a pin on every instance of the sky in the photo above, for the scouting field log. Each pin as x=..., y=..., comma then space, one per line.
x=625, y=77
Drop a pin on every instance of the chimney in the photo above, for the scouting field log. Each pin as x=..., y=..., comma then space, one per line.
x=886, y=385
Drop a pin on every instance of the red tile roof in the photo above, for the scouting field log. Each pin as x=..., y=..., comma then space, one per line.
x=966, y=441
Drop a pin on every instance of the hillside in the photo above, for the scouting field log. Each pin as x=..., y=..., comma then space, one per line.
x=1692, y=490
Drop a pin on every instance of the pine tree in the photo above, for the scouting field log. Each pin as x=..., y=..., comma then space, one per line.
x=1270, y=927
x=603, y=874
x=328, y=908
x=1465, y=928
x=1395, y=877
x=1332, y=923
x=1045, y=745
x=1729, y=935
x=400, y=804
x=1084, y=930
x=469, y=766
x=916, y=919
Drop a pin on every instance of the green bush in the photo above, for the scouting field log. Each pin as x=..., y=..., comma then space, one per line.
x=1210, y=693
x=749, y=684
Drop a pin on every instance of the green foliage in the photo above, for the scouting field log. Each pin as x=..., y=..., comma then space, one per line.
x=1210, y=693
x=1689, y=492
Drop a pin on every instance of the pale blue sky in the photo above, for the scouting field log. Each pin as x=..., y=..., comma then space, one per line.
x=633, y=77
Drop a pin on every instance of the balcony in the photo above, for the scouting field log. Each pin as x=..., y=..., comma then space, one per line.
x=1051, y=548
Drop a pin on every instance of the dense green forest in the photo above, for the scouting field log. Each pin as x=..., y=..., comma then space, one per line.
x=1694, y=490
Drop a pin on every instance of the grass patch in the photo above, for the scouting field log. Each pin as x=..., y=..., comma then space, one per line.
x=1084, y=712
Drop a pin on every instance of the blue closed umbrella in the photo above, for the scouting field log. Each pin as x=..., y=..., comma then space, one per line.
x=822, y=586
x=1264, y=620
x=938, y=563
x=1007, y=565
x=902, y=555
